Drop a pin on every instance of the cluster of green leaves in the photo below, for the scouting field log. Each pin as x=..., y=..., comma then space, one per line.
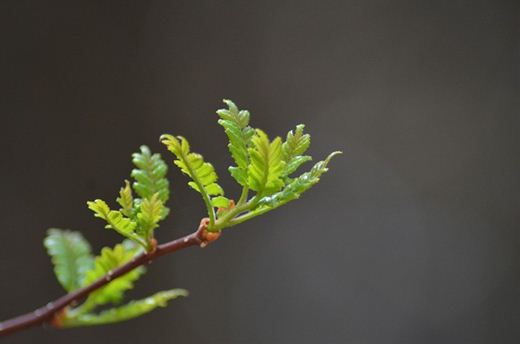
x=139, y=216
x=76, y=267
x=136, y=219
x=263, y=167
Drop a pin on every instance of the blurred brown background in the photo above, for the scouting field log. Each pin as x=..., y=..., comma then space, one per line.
x=413, y=237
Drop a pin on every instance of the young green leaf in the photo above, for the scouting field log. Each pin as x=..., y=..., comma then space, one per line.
x=267, y=165
x=137, y=217
x=239, y=133
x=109, y=260
x=126, y=200
x=115, y=220
x=150, y=175
x=290, y=192
x=100, y=208
x=71, y=257
x=293, y=148
x=203, y=175
x=131, y=310
x=298, y=185
x=121, y=224
x=151, y=210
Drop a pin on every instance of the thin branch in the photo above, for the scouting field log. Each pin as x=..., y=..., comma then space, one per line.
x=50, y=312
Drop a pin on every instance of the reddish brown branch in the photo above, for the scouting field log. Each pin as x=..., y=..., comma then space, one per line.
x=52, y=310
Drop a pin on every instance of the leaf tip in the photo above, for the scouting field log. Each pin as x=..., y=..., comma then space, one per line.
x=332, y=155
x=144, y=149
x=180, y=292
x=165, y=137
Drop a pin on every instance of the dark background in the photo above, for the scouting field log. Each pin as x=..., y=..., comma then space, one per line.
x=412, y=237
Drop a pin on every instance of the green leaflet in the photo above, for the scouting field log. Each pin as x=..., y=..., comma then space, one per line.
x=126, y=199
x=109, y=260
x=267, y=165
x=131, y=310
x=298, y=185
x=150, y=175
x=239, y=133
x=151, y=212
x=115, y=220
x=71, y=257
x=290, y=192
x=100, y=208
x=203, y=175
x=293, y=148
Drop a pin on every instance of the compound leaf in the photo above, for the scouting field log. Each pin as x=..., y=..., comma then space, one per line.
x=293, y=148
x=239, y=133
x=131, y=310
x=203, y=175
x=267, y=165
x=150, y=175
x=107, y=261
x=298, y=185
x=126, y=200
x=71, y=257
x=151, y=212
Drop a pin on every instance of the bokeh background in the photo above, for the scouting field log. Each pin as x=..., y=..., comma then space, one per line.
x=412, y=237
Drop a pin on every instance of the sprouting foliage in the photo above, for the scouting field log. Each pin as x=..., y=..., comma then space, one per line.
x=202, y=174
x=126, y=200
x=264, y=167
x=138, y=217
x=131, y=310
x=150, y=175
x=75, y=267
x=109, y=260
x=239, y=133
x=293, y=148
x=297, y=186
x=267, y=165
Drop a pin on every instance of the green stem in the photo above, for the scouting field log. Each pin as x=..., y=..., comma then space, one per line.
x=228, y=219
x=223, y=221
x=248, y=216
x=243, y=196
x=254, y=201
